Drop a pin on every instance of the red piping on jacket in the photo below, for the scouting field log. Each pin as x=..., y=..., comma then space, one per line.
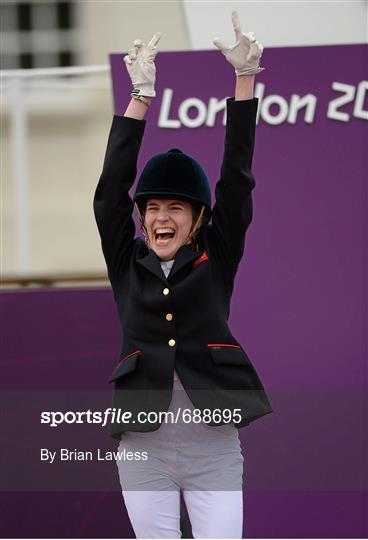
x=222, y=345
x=128, y=356
x=202, y=258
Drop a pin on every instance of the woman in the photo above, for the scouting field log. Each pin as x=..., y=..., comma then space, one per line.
x=173, y=295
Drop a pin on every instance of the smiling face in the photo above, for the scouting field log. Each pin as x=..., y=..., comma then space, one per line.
x=168, y=223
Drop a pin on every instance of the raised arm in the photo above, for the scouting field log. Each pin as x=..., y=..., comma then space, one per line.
x=232, y=212
x=244, y=88
x=113, y=206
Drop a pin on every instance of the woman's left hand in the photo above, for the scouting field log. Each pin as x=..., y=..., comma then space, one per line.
x=245, y=55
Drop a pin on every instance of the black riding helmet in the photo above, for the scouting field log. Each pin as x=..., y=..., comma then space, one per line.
x=174, y=175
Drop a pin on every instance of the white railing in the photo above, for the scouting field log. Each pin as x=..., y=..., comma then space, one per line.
x=51, y=72
x=15, y=86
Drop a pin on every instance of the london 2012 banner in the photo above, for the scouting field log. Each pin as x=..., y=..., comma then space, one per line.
x=303, y=272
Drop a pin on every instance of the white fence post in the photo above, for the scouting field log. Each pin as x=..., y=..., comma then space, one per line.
x=19, y=149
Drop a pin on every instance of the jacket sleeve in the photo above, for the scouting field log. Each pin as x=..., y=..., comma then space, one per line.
x=232, y=211
x=112, y=204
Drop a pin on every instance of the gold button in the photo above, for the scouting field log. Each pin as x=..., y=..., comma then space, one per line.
x=166, y=291
x=172, y=342
x=169, y=317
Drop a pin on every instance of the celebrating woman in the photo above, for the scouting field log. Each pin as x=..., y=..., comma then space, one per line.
x=173, y=292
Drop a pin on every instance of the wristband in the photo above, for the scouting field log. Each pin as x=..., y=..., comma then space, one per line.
x=144, y=100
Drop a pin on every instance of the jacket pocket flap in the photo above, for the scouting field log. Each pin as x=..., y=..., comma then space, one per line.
x=229, y=355
x=124, y=367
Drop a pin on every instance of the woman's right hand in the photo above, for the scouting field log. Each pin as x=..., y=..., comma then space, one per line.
x=141, y=67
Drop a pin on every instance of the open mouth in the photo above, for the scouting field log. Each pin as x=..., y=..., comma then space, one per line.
x=163, y=237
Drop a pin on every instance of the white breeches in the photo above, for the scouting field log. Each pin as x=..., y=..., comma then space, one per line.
x=204, y=462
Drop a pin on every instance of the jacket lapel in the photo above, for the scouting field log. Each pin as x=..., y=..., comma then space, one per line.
x=152, y=263
x=183, y=256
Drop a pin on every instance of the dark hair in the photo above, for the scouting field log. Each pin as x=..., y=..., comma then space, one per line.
x=196, y=209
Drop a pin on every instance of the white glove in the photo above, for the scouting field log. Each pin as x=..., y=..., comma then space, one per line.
x=141, y=68
x=245, y=54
